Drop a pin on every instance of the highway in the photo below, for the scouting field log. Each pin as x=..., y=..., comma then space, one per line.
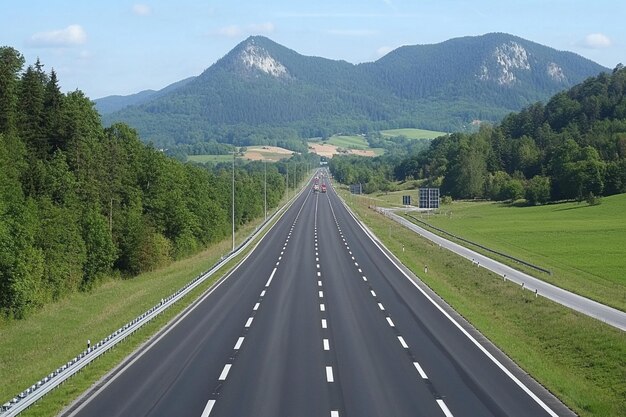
x=317, y=321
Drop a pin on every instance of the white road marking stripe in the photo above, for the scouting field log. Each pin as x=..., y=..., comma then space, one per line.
x=329, y=374
x=209, y=407
x=334, y=413
x=319, y=283
x=356, y=264
x=319, y=274
x=280, y=258
x=249, y=322
x=381, y=307
x=321, y=294
x=282, y=252
x=322, y=307
x=364, y=278
x=373, y=293
x=238, y=344
x=350, y=252
x=269, y=281
x=390, y=322
x=277, y=263
x=263, y=293
x=326, y=344
x=444, y=408
x=324, y=324
x=256, y=306
x=353, y=258
x=317, y=259
x=318, y=266
x=402, y=342
x=420, y=370
x=225, y=371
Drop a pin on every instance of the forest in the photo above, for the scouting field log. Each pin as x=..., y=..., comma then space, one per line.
x=80, y=203
x=572, y=148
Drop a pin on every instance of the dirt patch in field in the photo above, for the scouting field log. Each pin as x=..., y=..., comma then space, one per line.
x=327, y=150
x=269, y=153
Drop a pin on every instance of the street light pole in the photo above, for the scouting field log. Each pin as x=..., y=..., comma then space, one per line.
x=265, y=186
x=233, y=201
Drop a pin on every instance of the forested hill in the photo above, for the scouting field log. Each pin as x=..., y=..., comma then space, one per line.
x=573, y=147
x=79, y=202
x=261, y=84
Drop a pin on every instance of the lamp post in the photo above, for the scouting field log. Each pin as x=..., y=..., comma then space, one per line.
x=233, y=200
x=265, y=186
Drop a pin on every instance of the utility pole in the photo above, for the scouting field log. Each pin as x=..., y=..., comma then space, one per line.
x=265, y=186
x=233, y=201
x=287, y=165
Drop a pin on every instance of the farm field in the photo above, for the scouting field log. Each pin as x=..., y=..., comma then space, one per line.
x=209, y=158
x=253, y=153
x=352, y=145
x=584, y=246
x=412, y=133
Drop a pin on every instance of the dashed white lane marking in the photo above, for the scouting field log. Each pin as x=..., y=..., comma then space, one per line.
x=282, y=252
x=317, y=259
x=364, y=278
x=225, y=371
x=390, y=322
x=280, y=258
x=381, y=307
x=318, y=266
x=321, y=294
x=420, y=370
x=269, y=281
x=353, y=258
x=209, y=407
x=350, y=253
x=263, y=293
x=322, y=307
x=444, y=408
x=324, y=324
x=356, y=264
x=402, y=342
x=239, y=342
x=249, y=322
x=329, y=374
x=373, y=293
x=319, y=274
x=277, y=263
x=326, y=344
x=360, y=272
x=319, y=283
x=334, y=414
x=256, y=306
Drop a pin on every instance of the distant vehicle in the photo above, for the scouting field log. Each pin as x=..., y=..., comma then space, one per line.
x=323, y=188
x=316, y=188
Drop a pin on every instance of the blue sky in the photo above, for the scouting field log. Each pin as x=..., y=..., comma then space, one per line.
x=122, y=47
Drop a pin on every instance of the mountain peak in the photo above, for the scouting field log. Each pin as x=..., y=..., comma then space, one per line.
x=254, y=56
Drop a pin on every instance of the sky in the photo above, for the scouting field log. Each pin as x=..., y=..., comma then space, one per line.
x=111, y=47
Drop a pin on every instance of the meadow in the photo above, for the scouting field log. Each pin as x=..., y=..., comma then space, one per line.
x=413, y=133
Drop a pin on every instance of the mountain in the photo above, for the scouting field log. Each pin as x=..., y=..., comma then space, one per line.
x=112, y=104
x=261, y=89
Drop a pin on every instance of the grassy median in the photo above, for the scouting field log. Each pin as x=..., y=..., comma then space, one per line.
x=579, y=359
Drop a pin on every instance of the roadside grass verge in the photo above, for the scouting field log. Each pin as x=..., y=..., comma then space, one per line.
x=35, y=346
x=583, y=246
x=579, y=359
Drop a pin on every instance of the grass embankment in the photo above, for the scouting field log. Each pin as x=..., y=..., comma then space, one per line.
x=33, y=347
x=579, y=359
x=413, y=133
x=583, y=246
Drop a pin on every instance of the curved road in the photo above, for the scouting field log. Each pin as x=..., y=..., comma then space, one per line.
x=317, y=321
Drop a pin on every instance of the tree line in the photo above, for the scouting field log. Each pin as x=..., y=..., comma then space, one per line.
x=573, y=147
x=79, y=202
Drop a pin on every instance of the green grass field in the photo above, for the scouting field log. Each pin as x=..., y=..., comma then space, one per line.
x=210, y=158
x=413, y=133
x=349, y=142
x=579, y=359
x=584, y=246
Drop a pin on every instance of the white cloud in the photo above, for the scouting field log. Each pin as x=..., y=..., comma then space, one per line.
x=70, y=36
x=237, y=31
x=142, y=9
x=384, y=50
x=597, y=41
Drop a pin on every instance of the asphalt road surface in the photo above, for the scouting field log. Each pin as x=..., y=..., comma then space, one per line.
x=317, y=321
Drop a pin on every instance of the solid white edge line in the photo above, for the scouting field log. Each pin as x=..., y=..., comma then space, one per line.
x=225, y=372
x=420, y=370
x=329, y=374
x=269, y=281
x=402, y=342
x=239, y=342
x=208, y=408
x=249, y=322
x=444, y=408
x=458, y=325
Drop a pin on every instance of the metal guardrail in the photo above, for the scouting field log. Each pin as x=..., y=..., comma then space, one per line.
x=55, y=378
